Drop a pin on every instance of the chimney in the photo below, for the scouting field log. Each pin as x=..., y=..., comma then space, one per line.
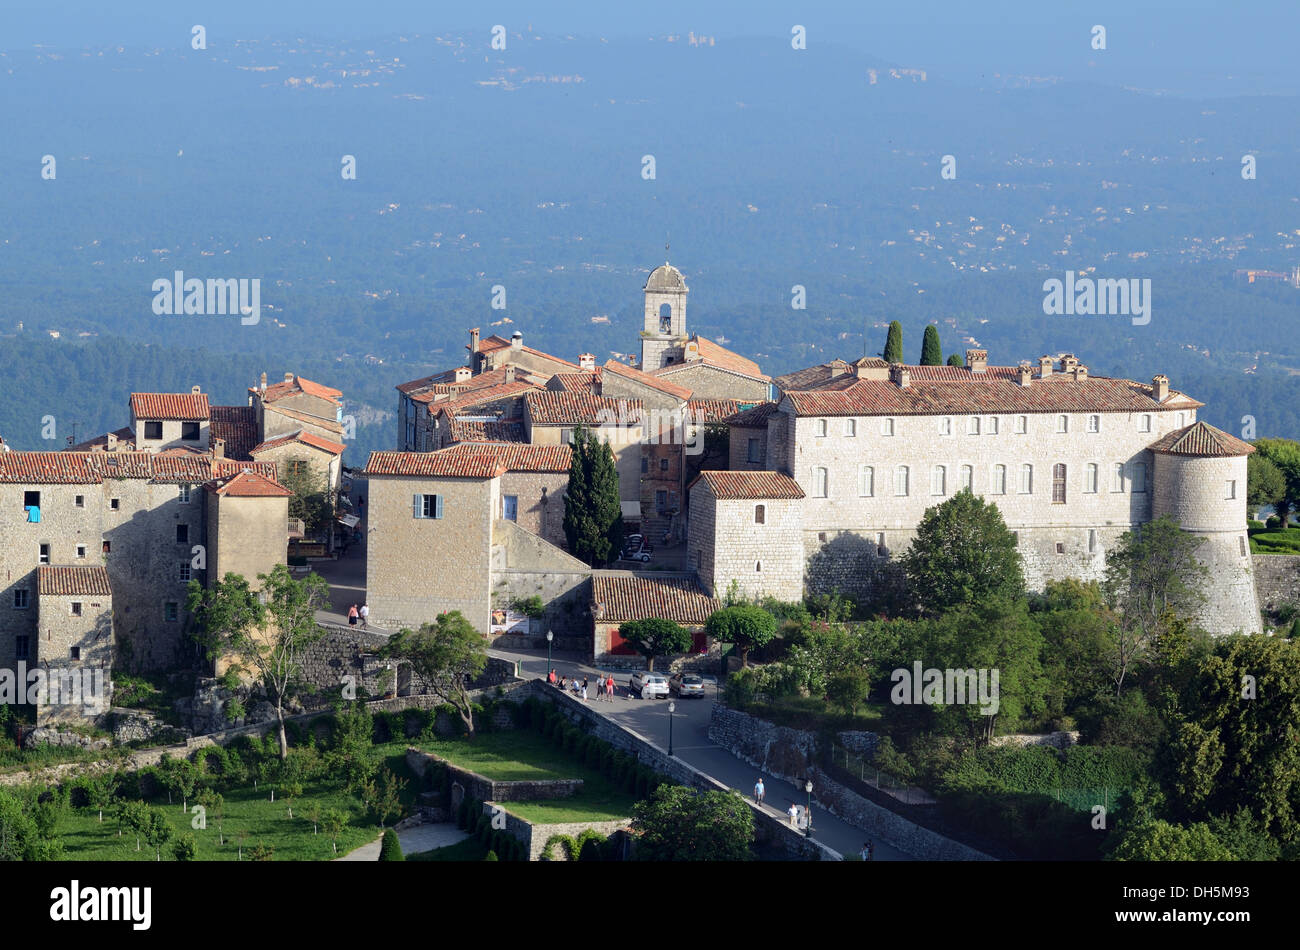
x=218, y=448
x=194, y=390
x=110, y=442
x=516, y=341
x=463, y=374
x=510, y=374
x=1160, y=387
x=1080, y=373
x=263, y=382
x=1026, y=374
x=473, y=341
x=977, y=360
x=898, y=373
x=1045, y=366
x=587, y=361
x=288, y=377
x=839, y=368
x=1068, y=362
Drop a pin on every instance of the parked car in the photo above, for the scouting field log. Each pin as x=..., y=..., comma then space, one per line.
x=639, y=550
x=648, y=685
x=686, y=684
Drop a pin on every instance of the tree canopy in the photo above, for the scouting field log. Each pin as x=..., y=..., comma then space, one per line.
x=931, y=351
x=893, y=351
x=447, y=655
x=745, y=625
x=683, y=824
x=593, y=514
x=655, y=636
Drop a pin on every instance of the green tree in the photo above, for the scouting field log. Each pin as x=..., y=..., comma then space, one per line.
x=956, y=359
x=1265, y=484
x=848, y=689
x=593, y=514
x=931, y=351
x=312, y=500
x=390, y=849
x=962, y=554
x=131, y=815
x=447, y=655
x=20, y=837
x=333, y=822
x=185, y=848
x=214, y=806
x=893, y=351
x=1158, y=840
x=225, y=613
x=1285, y=456
x=655, y=636
x=155, y=829
x=683, y=824
x=179, y=776
x=1151, y=575
x=747, y=626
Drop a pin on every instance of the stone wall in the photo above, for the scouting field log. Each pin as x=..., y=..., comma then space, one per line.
x=1054, y=740
x=525, y=565
x=790, y=754
x=485, y=789
x=1277, y=579
x=534, y=837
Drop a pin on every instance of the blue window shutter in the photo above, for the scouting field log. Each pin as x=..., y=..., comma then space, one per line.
x=437, y=506
x=417, y=506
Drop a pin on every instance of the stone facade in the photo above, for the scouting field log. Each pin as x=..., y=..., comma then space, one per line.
x=1277, y=580
x=707, y=381
x=757, y=543
x=539, y=502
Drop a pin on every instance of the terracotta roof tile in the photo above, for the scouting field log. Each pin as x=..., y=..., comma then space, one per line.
x=1202, y=439
x=482, y=397
x=319, y=421
x=248, y=485
x=753, y=418
x=992, y=392
x=306, y=438
x=719, y=355
x=449, y=391
x=125, y=441
x=645, y=379
x=563, y=408
x=471, y=460
x=713, y=410
x=496, y=342
x=758, y=485
x=587, y=382
x=91, y=468
x=92, y=581
x=291, y=387
x=619, y=598
x=184, y=406
x=496, y=430
x=237, y=425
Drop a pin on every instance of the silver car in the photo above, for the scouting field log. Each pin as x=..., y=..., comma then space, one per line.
x=648, y=685
x=687, y=684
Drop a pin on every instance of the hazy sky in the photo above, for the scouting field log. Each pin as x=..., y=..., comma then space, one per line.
x=1185, y=47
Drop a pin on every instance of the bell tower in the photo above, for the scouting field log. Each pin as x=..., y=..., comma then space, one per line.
x=664, y=329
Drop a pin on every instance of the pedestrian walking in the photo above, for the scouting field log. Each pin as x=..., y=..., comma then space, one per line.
x=364, y=613
x=794, y=816
x=352, y=615
x=865, y=853
x=550, y=677
x=584, y=691
x=759, y=791
x=609, y=687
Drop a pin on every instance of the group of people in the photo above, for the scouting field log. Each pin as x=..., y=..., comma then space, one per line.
x=359, y=615
x=603, y=687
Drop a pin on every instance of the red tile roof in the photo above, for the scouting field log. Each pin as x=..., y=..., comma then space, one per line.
x=481, y=397
x=249, y=485
x=125, y=441
x=497, y=430
x=238, y=426
x=292, y=387
x=319, y=421
x=496, y=342
x=306, y=438
x=758, y=485
x=471, y=460
x=92, y=581
x=1202, y=439
x=991, y=392
x=645, y=379
x=753, y=418
x=619, y=598
x=547, y=407
x=587, y=381
x=187, y=407
x=713, y=410
x=483, y=382
x=91, y=468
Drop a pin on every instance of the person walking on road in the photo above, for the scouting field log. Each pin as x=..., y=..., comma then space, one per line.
x=794, y=816
x=759, y=792
x=550, y=677
x=352, y=615
x=609, y=687
x=364, y=613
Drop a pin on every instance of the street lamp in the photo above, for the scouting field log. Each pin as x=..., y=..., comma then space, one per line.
x=550, y=635
x=672, y=707
x=807, y=787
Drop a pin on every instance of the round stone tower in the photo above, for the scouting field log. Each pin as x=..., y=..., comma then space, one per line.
x=1200, y=482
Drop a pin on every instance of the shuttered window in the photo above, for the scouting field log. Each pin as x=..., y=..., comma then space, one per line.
x=426, y=506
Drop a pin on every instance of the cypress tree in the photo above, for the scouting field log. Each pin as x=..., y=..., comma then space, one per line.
x=894, y=343
x=593, y=517
x=931, y=352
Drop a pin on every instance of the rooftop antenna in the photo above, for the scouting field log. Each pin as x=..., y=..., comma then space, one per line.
x=665, y=248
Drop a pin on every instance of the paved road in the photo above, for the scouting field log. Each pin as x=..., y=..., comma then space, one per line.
x=691, y=743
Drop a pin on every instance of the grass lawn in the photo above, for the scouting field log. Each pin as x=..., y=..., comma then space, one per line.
x=522, y=755
x=467, y=850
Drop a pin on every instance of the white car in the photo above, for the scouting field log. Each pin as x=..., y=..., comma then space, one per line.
x=648, y=685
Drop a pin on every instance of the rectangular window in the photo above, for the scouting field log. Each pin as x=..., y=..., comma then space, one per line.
x=945, y=426
x=22, y=648
x=663, y=465
x=1092, y=540
x=44, y=555
x=760, y=514
x=21, y=598
x=1026, y=479
x=153, y=430
x=107, y=546
x=938, y=480
x=999, y=486
x=645, y=465
x=967, y=478
x=76, y=608
x=1058, y=484
x=753, y=455
x=184, y=493
x=182, y=534
x=866, y=481
x=661, y=500
x=851, y=428
x=1062, y=423
x=901, y=479
x=887, y=426
x=190, y=431
x=426, y=506
x=821, y=427
x=184, y=574
x=79, y=501
x=1139, y=476
x=1090, y=478
x=1144, y=424
x=973, y=425
x=32, y=505
x=1117, y=477
x=510, y=507
x=1022, y=425
x=821, y=483
x=1060, y=547
x=81, y=550
x=881, y=550
x=75, y=653
x=1094, y=423
x=171, y=611
x=1231, y=490
x=114, y=504
x=993, y=425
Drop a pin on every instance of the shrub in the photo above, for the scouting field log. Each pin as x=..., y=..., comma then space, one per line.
x=391, y=849
x=491, y=856
x=742, y=688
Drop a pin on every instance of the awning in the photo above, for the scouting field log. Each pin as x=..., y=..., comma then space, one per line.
x=350, y=521
x=631, y=510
